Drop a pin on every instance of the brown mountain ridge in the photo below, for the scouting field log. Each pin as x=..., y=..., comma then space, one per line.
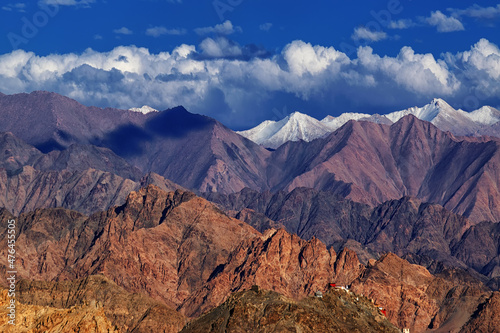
x=363, y=161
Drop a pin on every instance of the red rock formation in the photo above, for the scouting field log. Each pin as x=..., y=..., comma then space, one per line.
x=416, y=299
x=278, y=261
x=486, y=318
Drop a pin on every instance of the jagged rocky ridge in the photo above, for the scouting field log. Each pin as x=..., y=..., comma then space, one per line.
x=425, y=233
x=168, y=246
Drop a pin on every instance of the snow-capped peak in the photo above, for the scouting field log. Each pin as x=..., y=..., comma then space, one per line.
x=485, y=115
x=145, y=109
x=299, y=126
x=336, y=122
x=428, y=112
x=296, y=126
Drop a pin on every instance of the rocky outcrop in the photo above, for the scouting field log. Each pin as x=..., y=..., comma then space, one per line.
x=278, y=261
x=416, y=299
x=42, y=319
x=425, y=233
x=164, y=244
x=485, y=319
x=258, y=310
x=126, y=311
x=187, y=254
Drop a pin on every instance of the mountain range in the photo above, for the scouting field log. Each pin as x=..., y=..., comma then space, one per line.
x=424, y=233
x=172, y=216
x=298, y=126
x=365, y=161
x=168, y=247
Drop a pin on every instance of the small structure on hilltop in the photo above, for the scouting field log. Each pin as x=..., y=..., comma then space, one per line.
x=383, y=311
x=319, y=294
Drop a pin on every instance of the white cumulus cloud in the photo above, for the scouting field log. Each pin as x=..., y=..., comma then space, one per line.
x=235, y=83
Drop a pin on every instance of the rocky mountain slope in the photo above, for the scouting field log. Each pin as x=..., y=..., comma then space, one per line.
x=218, y=158
x=18, y=154
x=85, y=178
x=278, y=261
x=169, y=247
x=45, y=319
x=263, y=311
x=126, y=312
x=163, y=244
x=373, y=163
x=418, y=300
x=406, y=227
x=485, y=319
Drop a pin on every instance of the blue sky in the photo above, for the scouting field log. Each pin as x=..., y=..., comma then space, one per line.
x=243, y=61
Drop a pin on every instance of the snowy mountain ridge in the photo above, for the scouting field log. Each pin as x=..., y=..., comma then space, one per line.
x=144, y=109
x=298, y=126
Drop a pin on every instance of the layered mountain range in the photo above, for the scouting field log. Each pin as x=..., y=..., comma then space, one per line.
x=364, y=161
x=168, y=246
x=103, y=206
x=424, y=233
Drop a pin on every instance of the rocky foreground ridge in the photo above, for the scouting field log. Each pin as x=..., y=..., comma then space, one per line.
x=168, y=247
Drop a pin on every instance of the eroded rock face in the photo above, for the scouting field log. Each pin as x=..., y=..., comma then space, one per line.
x=264, y=311
x=164, y=244
x=184, y=252
x=125, y=311
x=407, y=227
x=278, y=261
x=416, y=299
x=486, y=318
x=43, y=319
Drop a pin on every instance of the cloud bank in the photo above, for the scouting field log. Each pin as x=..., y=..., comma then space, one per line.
x=240, y=85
